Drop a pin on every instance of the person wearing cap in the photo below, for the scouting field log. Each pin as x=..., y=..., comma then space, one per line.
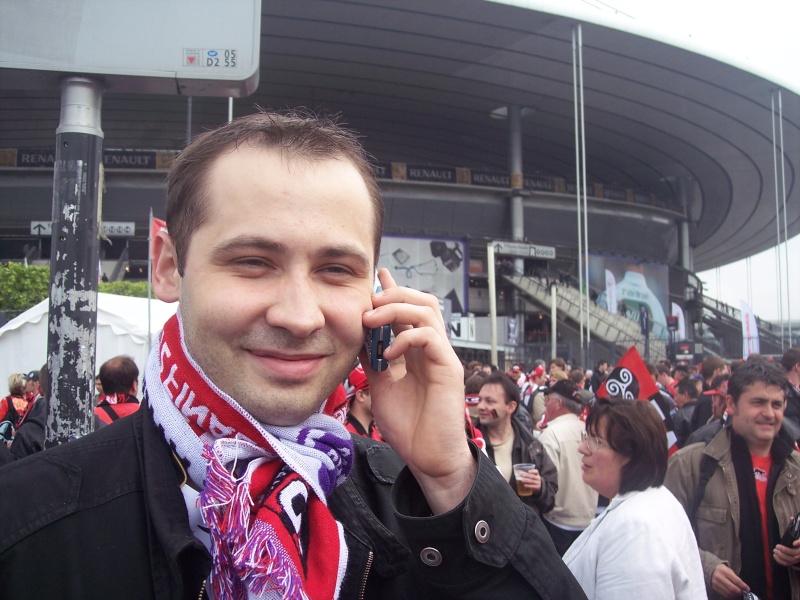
x=717, y=395
x=575, y=501
x=531, y=394
x=360, y=420
x=32, y=385
x=517, y=375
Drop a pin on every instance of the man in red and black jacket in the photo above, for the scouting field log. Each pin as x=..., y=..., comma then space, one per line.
x=359, y=412
x=120, y=379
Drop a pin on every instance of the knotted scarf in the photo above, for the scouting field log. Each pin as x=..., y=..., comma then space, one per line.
x=264, y=488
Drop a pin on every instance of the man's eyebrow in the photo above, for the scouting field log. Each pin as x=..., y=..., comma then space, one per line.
x=246, y=242
x=349, y=251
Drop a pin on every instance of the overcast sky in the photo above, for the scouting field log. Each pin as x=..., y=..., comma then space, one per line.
x=760, y=37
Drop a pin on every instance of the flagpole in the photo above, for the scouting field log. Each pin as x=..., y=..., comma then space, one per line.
x=149, y=275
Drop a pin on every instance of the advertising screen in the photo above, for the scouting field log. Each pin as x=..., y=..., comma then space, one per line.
x=433, y=265
x=630, y=287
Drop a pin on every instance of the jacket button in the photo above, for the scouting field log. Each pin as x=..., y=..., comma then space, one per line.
x=482, y=531
x=431, y=557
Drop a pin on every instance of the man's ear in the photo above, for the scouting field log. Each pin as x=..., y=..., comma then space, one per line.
x=166, y=280
x=729, y=404
x=360, y=396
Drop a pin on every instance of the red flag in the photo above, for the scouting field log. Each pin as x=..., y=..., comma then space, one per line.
x=631, y=380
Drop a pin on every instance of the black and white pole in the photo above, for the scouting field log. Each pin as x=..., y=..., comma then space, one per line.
x=72, y=325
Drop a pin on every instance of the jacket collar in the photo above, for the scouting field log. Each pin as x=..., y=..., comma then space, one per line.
x=162, y=477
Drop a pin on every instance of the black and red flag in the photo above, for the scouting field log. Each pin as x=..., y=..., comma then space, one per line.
x=631, y=380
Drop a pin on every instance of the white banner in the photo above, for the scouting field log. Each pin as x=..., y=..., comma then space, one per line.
x=611, y=292
x=750, y=343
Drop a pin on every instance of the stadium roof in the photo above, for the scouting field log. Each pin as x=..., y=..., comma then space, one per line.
x=419, y=80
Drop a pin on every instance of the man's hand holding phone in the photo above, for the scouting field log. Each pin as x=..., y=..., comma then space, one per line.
x=421, y=414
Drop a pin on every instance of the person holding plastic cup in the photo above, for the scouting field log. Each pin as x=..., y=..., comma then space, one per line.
x=511, y=445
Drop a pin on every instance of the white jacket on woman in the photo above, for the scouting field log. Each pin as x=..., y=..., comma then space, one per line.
x=642, y=546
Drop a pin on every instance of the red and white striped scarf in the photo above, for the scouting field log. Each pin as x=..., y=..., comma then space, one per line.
x=264, y=488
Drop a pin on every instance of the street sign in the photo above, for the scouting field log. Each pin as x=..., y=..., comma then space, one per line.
x=524, y=250
x=110, y=228
x=42, y=228
x=180, y=47
x=119, y=228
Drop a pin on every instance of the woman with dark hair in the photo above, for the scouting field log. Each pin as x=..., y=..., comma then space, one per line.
x=642, y=545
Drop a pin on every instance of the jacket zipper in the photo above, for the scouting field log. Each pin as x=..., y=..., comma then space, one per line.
x=364, y=578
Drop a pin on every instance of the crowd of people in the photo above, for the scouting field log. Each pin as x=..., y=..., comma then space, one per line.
x=265, y=458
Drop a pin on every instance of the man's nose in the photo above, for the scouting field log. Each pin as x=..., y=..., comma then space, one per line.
x=296, y=306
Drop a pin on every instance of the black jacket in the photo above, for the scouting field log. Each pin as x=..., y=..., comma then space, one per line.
x=792, y=412
x=527, y=448
x=103, y=517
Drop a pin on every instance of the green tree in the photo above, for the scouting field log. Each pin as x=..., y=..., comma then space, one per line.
x=22, y=287
x=136, y=289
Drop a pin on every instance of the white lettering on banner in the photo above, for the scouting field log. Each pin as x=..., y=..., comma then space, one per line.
x=497, y=180
x=431, y=174
x=139, y=161
x=37, y=159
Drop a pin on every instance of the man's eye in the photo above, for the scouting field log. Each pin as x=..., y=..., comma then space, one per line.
x=251, y=262
x=337, y=270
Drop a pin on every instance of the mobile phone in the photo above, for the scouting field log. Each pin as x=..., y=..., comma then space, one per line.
x=378, y=339
x=792, y=532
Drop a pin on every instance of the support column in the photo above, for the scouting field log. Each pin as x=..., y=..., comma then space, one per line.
x=72, y=324
x=516, y=208
x=684, y=194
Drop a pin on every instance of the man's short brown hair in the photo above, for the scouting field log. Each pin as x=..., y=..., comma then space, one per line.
x=790, y=358
x=296, y=135
x=709, y=365
x=756, y=370
x=510, y=389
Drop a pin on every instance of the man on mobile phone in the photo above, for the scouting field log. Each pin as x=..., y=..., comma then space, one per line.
x=237, y=478
x=741, y=490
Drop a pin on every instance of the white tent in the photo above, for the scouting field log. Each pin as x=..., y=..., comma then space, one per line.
x=121, y=329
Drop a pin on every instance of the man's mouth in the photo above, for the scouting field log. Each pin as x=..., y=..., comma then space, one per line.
x=291, y=366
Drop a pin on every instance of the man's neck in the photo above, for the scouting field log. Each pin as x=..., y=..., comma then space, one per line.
x=759, y=449
x=562, y=413
x=361, y=417
x=500, y=432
